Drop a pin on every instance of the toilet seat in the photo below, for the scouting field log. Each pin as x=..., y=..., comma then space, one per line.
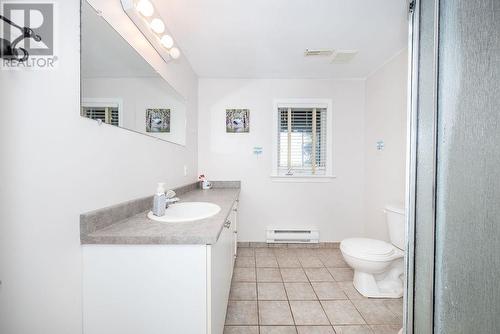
x=370, y=249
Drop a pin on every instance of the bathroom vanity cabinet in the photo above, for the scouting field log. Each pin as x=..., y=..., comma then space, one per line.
x=159, y=288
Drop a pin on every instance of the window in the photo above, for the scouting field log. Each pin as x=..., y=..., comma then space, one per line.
x=108, y=115
x=107, y=111
x=302, y=142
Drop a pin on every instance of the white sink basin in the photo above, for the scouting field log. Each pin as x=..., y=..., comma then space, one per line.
x=186, y=212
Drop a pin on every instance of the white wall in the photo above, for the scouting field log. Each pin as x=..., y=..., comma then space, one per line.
x=335, y=207
x=137, y=95
x=53, y=167
x=385, y=119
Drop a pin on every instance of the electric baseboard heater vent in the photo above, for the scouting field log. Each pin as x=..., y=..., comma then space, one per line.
x=299, y=236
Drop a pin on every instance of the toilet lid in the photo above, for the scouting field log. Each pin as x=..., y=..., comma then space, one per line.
x=363, y=247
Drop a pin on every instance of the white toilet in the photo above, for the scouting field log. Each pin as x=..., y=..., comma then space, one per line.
x=378, y=265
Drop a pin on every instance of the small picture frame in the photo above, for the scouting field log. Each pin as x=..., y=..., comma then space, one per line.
x=237, y=120
x=158, y=120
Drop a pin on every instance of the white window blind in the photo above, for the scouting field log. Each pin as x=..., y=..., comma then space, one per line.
x=302, y=141
x=108, y=115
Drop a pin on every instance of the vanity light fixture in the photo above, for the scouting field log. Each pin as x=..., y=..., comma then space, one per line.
x=158, y=26
x=146, y=18
x=145, y=7
x=167, y=41
x=175, y=53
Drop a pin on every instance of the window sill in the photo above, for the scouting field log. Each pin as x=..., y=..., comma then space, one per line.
x=303, y=178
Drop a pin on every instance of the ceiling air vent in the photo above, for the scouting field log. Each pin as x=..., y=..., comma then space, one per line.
x=318, y=52
x=343, y=56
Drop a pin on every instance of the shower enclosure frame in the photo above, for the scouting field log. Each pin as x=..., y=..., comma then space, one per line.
x=423, y=21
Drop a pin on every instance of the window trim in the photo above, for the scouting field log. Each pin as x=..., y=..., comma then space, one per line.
x=303, y=103
x=90, y=102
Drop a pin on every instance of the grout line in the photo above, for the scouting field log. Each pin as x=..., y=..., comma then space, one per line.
x=256, y=290
x=288, y=301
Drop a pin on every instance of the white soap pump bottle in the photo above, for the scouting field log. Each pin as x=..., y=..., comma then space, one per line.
x=160, y=201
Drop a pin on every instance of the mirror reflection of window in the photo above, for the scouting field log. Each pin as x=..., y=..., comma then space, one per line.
x=106, y=115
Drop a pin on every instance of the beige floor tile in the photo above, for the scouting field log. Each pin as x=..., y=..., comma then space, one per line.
x=342, y=312
x=336, y=263
x=284, y=252
x=332, y=285
x=304, y=252
x=395, y=305
x=271, y=291
x=288, y=262
x=308, y=313
x=275, y=313
x=328, y=290
x=245, y=252
x=241, y=313
x=330, y=251
x=278, y=330
x=266, y=262
x=311, y=262
x=385, y=329
x=244, y=275
x=300, y=291
x=293, y=275
x=265, y=251
x=352, y=329
x=243, y=291
x=342, y=274
x=268, y=275
x=375, y=312
x=334, y=260
x=350, y=290
x=318, y=275
x=315, y=330
x=245, y=262
x=241, y=330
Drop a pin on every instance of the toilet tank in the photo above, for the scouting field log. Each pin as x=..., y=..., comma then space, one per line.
x=396, y=222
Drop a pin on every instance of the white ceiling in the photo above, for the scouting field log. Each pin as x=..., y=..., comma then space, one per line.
x=267, y=38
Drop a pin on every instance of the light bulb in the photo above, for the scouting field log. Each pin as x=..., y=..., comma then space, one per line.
x=167, y=41
x=145, y=7
x=174, y=53
x=157, y=26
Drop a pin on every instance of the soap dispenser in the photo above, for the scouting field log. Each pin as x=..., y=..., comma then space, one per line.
x=160, y=201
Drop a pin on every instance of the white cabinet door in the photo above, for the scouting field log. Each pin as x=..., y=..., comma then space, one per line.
x=144, y=289
x=220, y=274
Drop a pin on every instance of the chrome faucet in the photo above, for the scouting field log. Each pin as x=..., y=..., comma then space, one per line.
x=171, y=199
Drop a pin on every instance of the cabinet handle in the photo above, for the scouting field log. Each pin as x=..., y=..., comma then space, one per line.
x=227, y=224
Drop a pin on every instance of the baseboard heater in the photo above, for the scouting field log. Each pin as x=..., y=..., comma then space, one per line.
x=294, y=235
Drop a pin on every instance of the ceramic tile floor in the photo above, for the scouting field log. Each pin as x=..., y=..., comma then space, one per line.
x=303, y=291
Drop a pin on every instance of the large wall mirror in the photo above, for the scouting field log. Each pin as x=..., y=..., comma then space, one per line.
x=120, y=88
